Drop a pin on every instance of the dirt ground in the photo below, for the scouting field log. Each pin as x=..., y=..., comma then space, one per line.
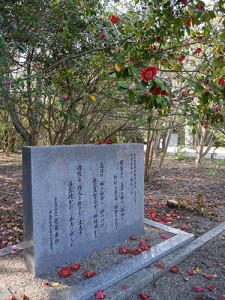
x=200, y=194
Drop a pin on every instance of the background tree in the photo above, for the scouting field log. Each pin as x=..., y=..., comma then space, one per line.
x=68, y=66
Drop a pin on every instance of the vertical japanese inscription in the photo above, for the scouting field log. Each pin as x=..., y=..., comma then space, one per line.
x=50, y=229
x=133, y=176
x=56, y=222
x=95, y=206
x=116, y=206
x=102, y=196
x=79, y=199
x=72, y=218
x=122, y=204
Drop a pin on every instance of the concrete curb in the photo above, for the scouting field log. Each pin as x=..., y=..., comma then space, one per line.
x=143, y=277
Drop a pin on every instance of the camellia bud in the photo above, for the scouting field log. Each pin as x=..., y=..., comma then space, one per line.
x=66, y=98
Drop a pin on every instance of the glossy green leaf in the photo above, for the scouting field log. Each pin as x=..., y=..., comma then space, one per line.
x=132, y=98
x=2, y=41
x=123, y=84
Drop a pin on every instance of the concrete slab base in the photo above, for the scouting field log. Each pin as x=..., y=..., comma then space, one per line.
x=117, y=273
x=143, y=277
x=4, y=292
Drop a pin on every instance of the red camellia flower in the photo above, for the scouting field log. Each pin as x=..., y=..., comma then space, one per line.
x=164, y=93
x=181, y=58
x=100, y=294
x=185, y=2
x=222, y=81
x=157, y=90
x=152, y=213
x=114, y=19
x=102, y=36
x=148, y=74
x=88, y=273
x=199, y=38
x=217, y=107
x=186, y=43
x=65, y=272
x=218, y=116
x=206, y=123
x=109, y=141
x=153, y=47
x=190, y=22
x=198, y=50
x=75, y=267
x=98, y=142
x=200, y=6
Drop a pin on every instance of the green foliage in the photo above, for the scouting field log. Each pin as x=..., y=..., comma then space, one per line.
x=182, y=156
x=50, y=50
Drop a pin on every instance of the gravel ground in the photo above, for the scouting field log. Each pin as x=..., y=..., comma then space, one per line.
x=209, y=259
x=19, y=281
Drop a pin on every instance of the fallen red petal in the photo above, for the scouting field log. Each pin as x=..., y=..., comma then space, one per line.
x=75, y=267
x=199, y=288
x=190, y=272
x=164, y=236
x=142, y=243
x=137, y=251
x=89, y=273
x=211, y=287
x=163, y=219
x=185, y=227
x=145, y=247
x=169, y=220
x=160, y=265
x=150, y=199
x=133, y=237
x=208, y=276
x=174, y=270
x=124, y=287
x=174, y=213
x=143, y=297
x=123, y=250
x=100, y=294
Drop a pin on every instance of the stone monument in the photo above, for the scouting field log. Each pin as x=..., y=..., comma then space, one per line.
x=80, y=199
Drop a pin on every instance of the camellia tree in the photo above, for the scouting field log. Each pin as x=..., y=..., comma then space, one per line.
x=166, y=57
